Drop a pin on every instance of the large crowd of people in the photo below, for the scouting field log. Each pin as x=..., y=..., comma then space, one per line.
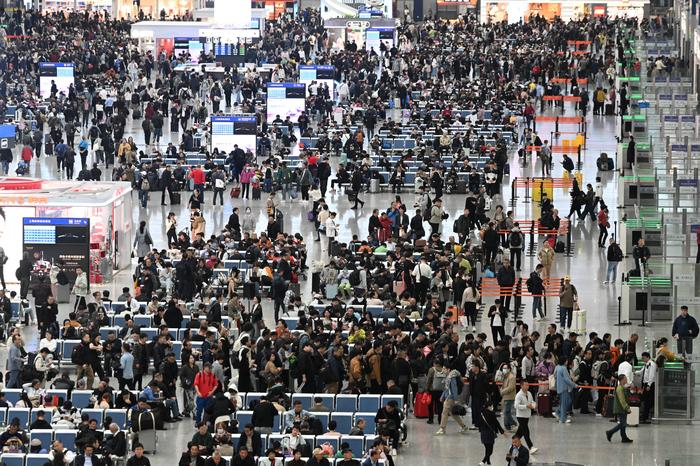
x=393, y=311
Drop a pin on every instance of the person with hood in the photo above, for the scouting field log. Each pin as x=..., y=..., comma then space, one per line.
x=515, y=242
x=449, y=398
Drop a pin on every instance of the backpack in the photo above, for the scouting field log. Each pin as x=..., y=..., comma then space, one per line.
x=596, y=370
x=75, y=356
x=528, y=284
x=354, y=278
x=145, y=186
x=61, y=278
x=515, y=239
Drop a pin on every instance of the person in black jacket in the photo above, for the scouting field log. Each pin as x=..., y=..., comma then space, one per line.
x=641, y=254
x=506, y=280
x=535, y=286
x=518, y=453
x=88, y=452
x=417, y=228
x=307, y=370
x=490, y=243
x=478, y=390
x=356, y=184
x=115, y=444
x=166, y=184
x=250, y=442
x=234, y=224
x=388, y=421
x=489, y=428
x=191, y=457
x=263, y=417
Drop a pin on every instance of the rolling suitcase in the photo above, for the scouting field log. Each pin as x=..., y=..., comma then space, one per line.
x=316, y=282
x=175, y=198
x=421, y=406
x=544, y=405
x=256, y=193
x=461, y=187
x=608, y=405
x=609, y=109
x=374, y=185
x=633, y=416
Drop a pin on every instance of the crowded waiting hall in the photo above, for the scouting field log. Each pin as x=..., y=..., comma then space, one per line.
x=344, y=233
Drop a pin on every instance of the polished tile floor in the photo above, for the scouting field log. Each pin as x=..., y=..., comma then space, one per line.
x=582, y=442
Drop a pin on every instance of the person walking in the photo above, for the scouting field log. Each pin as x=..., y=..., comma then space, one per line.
x=489, y=429
x=615, y=256
x=449, y=398
x=535, y=286
x=470, y=298
x=218, y=180
x=546, y=257
x=14, y=362
x=568, y=296
x=621, y=408
x=603, y=225
x=80, y=289
x=684, y=330
x=524, y=404
x=565, y=385
x=515, y=243
x=356, y=184
x=498, y=315
x=507, y=392
x=142, y=240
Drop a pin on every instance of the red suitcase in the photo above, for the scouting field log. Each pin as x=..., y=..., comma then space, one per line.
x=422, y=404
x=544, y=405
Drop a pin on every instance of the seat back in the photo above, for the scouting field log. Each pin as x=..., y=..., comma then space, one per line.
x=12, y=459
x=356, y=443
x=368, y=403
x=34, y=459
x=67, y=437
x=20, y=413
x=95, y=414
x=346, y=403
x=81, y=398
x=343, y=421
x=118, y=417
x=45, y=436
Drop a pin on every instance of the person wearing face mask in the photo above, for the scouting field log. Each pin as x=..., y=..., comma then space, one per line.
x=248, y=225
x=508, y=396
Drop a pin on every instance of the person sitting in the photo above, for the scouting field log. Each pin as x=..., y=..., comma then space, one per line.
x=332, y=425
x=604, y=163
x=14, y=440
x=88, y=457
x=59, y=450
x=40, y=422
x=296, y=414
x=318, y=406
x=115, y=445
x=243, y=458
x=388, y=421
x=250, y=440
x=203, y=439
x=191, y=457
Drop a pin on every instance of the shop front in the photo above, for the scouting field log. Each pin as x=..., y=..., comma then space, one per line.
x=514, y=11
x=81, y=223
x=153, y=8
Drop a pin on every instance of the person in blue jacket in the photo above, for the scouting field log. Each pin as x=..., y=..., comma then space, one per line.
x=685, y=329
x=565, y=385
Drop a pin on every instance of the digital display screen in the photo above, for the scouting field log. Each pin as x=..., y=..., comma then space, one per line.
x=375, y=37
x=50, y=239
x=285, y=100
x=192, y=45
x=7, y=136
x=319, y=73
x=229, y=131
x=60, y=74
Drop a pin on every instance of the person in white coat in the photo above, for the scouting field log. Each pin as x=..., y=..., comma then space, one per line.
x=331, y=231
x=524, y=404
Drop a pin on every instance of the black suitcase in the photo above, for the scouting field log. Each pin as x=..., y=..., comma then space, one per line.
x=48, y=148
x=256, y=193
x=609, y=109
x=316, y=282
x=176, y=198
x=173, y=125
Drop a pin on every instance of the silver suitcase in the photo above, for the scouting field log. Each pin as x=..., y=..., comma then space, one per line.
x=149, y=440
x=374, y=185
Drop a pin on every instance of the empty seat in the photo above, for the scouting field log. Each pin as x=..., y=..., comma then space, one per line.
x=343, y=421
x=142, y=321
x=118, y=417
x=20, y=413
x=368, y=403
x=95, y=414
x=12, y=459
x=34, y=459
x=346, y=403
x=243, y=418
x=81, y=398
x=68, y=346
x=356, y=443
x=12, y=395
x=67, y=438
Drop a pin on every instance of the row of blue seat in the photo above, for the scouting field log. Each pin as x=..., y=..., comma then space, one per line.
x=27, y=416
x=65, y=348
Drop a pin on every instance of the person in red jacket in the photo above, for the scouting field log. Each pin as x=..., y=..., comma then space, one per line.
x=603, y=225
x=199, y=178
x=27, y=154
x=205, y=385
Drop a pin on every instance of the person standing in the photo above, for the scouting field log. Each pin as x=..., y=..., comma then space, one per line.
x=449, y=398
x=615, y=256
x=14, y=362
x=515, y=243
x=524, y=404
x=546, y=257
x=647, y=376
x=507, y=392
x=568, y=296
x=80, y=289
x=685, y=329
x=437, y=215
x=506, y=281
x=489, y=429
x=3, y=261
x=631, y=152
x=565, y=385
x=205, y=384
x=603, y=225
x=126, y=363
x=641, y=255
x=166, y=184
x=470, y=298
x=498, y=315
x=218, y=179
x=621, y=408
x=535, y=286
